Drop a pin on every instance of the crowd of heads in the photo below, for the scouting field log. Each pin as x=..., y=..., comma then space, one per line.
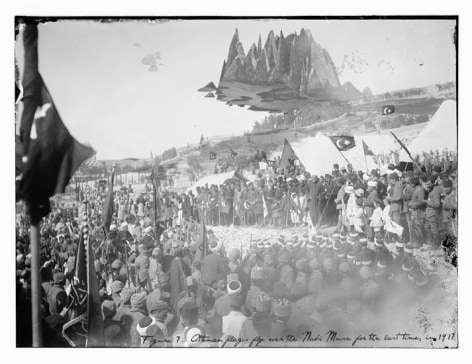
x=165, y=281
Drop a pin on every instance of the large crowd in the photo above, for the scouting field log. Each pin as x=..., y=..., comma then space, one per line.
x=165, y=281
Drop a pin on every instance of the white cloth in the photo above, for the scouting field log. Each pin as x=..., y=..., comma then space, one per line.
x=233, y=323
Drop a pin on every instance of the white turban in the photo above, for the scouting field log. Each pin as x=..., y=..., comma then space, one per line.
x=372, y=184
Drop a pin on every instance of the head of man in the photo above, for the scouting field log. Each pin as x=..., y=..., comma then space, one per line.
x=159, y=310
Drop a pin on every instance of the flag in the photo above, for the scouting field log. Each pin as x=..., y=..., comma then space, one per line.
x=343, y=142
x=388, y=109
x=212, y=156
x=85, y=328
x=393, y=227
x=233, y=154
x=403, y=146
x=49, y=153
x=107, y=213
x=367, y=150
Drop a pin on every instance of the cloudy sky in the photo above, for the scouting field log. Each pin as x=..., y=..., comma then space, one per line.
x=108, y=98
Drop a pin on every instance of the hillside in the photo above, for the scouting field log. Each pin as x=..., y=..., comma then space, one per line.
x=409, y=118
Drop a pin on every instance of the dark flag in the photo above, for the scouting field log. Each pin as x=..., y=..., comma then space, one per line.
x=233, y=154
x=212, y=156
x=85, y=328
x=108, y=206
x=367, y=150
x=388, y=109
x=405, y=148
x=52, y=155
x=343, y=142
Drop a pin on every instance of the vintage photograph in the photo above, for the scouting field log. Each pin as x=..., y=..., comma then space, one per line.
x=225, y=182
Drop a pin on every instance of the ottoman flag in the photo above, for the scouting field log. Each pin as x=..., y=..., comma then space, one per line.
x=343, y=142
x=49, y=153
x=388, y=109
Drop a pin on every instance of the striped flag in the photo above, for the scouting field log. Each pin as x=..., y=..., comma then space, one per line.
x=85, y=328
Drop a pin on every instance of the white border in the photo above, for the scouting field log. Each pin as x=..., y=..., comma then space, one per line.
x=235, y=8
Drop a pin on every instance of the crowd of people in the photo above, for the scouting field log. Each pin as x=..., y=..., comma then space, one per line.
x=164, y=281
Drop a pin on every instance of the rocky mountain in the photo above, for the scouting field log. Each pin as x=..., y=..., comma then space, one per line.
x=367, y=92
x=351, y=92
x=295, y=62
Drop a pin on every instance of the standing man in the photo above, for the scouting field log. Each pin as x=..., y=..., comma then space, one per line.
x=417, y=207
x=449, y=207
x=395, y=197
x=432, y=213
x=407, y=195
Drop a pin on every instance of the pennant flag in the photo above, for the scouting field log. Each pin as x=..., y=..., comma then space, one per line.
x=403, y=146
x=50, y=155
x=108, y=206
x=233, y=154
x=85, y=329
x=212, y=156
x=343, y=142
x=367, y=150
x=388, y=109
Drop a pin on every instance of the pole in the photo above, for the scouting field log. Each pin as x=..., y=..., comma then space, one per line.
x=36, y=287
x=405, y=149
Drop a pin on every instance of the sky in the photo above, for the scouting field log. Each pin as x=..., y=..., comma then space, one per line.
x=109, y=99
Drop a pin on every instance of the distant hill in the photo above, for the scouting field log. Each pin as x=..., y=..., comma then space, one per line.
x=367, y=92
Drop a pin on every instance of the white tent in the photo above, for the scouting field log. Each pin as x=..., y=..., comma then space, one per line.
x=318, y=154
x=379, y=143
x=439, y=134
x=215, y=179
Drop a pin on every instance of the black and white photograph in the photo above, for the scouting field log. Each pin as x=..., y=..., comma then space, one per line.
x=236, y=182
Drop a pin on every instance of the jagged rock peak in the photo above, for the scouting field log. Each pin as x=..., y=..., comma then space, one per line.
x=240, y=50
x=233, y=52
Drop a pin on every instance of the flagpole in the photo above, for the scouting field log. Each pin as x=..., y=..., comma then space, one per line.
x=36, y=287
x=405, y=149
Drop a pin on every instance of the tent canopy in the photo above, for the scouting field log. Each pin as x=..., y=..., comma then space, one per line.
x=378, y=143
x=318, y=154
x=440, y=133
x=216, y=179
